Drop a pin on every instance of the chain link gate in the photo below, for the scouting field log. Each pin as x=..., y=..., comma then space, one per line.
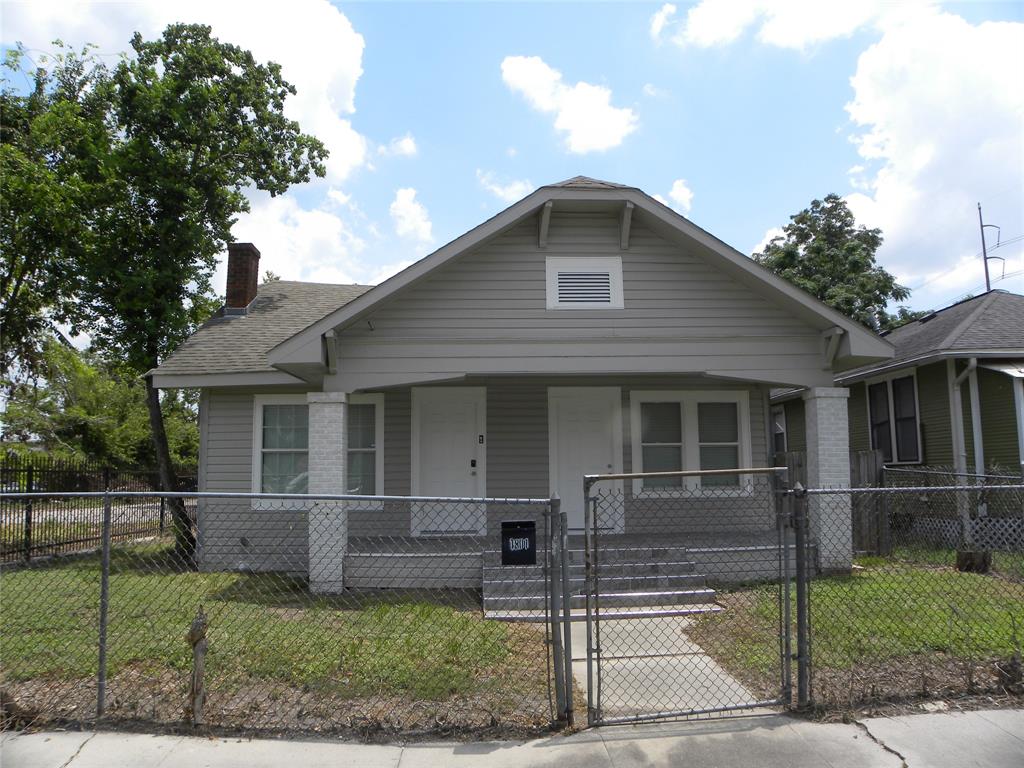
x=659, y=599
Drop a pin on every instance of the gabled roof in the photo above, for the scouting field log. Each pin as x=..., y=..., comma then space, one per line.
x=989, y=324
x=232, y=344
x=856, y=342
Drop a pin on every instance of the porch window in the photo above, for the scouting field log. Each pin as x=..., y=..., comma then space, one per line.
x=779, y=429
x=283, y=447
x=893, y=420
x=674, y=431
x=364, y=445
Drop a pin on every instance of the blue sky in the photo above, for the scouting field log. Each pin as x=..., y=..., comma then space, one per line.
x=439, y=115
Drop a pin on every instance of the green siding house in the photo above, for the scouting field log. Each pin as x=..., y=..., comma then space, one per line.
x=952, y=397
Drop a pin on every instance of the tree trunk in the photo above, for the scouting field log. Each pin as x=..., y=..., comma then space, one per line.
x=184, y=538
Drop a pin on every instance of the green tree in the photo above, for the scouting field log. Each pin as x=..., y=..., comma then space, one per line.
x=825, y=253
x=82, y=407
x=190, y=123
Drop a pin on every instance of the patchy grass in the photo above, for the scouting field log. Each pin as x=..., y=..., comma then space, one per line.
x=268, y=637
x=911, y=621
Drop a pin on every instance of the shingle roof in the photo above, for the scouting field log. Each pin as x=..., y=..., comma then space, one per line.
x=239, y=343
x=585, y=182
x=994, y=320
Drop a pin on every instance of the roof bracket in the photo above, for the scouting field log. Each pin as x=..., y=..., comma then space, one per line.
x=545, y=222
x=627, y=219
x=331, y=351
x=832, y=336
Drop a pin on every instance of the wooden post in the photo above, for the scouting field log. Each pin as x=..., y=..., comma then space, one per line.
x=197, y=693
x=27, y=530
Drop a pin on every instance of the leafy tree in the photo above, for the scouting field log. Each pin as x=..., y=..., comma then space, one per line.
x=825, y=253
x=83, y=407
x=190, y=123
x=43, y=232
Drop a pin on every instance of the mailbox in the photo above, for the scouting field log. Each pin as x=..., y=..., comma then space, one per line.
x=519, y=542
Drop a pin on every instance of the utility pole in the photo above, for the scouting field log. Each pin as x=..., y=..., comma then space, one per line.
x=984, y=249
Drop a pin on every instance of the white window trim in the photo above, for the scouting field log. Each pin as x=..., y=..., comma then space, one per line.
x=887, y=378
x=376, y=399
x=610, y=264
x=688, y=401
x=258, y=401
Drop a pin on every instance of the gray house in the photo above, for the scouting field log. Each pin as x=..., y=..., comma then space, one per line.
x=951, y=397
x=586, y=328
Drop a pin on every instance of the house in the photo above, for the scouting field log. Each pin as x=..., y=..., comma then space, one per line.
x=586, y=328
x=951, y=397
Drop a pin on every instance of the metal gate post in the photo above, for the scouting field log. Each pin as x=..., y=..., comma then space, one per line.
x=553, y=569
x=563, y=529
x=803, y=644
x=101, y=681
x=589, y=524
x=785, y=524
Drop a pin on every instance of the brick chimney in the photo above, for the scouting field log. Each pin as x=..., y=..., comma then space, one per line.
x=243, y=275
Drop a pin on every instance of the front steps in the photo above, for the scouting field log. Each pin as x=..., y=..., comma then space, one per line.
x=632, y=581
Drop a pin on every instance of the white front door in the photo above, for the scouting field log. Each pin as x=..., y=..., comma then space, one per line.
x=585, y=438
x=449, y=458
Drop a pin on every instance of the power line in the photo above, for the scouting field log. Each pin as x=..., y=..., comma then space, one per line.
x=941, y=275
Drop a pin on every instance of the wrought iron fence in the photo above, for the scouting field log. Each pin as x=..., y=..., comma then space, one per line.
x=937, y=610
x=45, y=525
x=351, y=615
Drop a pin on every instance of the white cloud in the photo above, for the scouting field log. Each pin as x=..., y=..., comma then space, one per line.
x=508, y=192
x=681, y=195
x=770, y=235
x=794, y=24
x=326, y=84
x=401, y=146
x=410, y=216
x=650, y=89
x=583, y=112
x=939, y=108
x=660, y=19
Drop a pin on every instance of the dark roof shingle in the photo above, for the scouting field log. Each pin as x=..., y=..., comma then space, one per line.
x=239, y=343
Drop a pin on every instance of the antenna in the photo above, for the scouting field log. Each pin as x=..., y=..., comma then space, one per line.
x=984, y=251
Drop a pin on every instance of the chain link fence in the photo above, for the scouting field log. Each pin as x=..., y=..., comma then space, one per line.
x=340, y=615
x=674, y=558
x=935, y=609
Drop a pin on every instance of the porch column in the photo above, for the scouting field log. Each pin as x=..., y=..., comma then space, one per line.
x=328, y=520
x=828, y=466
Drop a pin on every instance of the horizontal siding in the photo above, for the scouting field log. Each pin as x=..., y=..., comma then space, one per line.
x=998, y=421
x=486, y=313
x=796, y=425
x=934, y=412
x=857, y=412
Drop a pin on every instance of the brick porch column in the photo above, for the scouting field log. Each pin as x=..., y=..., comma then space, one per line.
x=828, y=466
x=328, y=520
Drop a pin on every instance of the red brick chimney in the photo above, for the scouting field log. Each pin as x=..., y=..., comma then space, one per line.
x=243, y=275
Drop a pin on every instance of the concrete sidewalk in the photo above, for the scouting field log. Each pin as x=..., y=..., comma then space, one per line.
x=990, y=739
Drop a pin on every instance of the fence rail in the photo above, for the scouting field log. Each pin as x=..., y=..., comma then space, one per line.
x=53, y=524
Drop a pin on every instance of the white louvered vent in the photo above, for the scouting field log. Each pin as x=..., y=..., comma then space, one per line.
x=584, y=283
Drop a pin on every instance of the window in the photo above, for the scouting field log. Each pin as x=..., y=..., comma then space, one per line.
x=281, y=442
x=674, y=431
x=365, y=445
x=576, y=282
x=892, y=419
x=779, y=429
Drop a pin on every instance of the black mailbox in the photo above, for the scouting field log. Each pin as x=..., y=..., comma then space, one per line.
x=519, y=542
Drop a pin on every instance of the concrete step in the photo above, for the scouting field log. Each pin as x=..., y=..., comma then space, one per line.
x=604, y=569
x=650, y=612
x=633, y=554
x=633, y=599
x=619, y=583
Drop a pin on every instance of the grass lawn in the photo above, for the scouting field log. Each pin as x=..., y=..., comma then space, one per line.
x=268, y=636
x=895, y=620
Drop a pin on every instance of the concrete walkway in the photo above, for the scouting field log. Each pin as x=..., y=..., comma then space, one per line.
x=993, y=739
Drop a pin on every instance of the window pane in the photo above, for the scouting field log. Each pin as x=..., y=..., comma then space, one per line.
x=719, y=457
x=286, y=426
x=284, y=472
x=878, y=405
x=362, y=473
x=779, y=430
x=903, y=397
x=662, y=458
x=717, y=422
x=362, y=426
x=660, y=423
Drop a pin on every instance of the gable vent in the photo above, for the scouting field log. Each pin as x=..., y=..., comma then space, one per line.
x=584, y=287
x=576, y=282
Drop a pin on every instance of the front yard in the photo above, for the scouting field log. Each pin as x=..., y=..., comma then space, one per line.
x=893, y=630
x=278, y=657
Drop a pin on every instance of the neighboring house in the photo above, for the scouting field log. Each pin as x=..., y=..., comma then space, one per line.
x=952, y=397
x=587, y=328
